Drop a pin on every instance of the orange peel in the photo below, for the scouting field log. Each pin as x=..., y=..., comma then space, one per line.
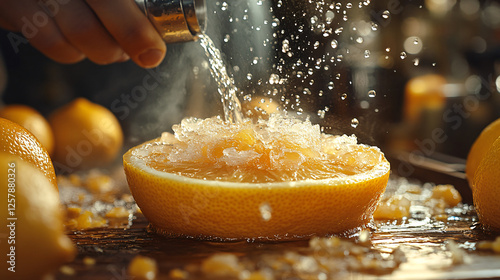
x=178, y=205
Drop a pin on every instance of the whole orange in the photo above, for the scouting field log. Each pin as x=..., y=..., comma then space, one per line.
x=486, y=188
x=33, y=121
x=480, y=148
x=17, y=140
x=40, y=243
x=86, y=135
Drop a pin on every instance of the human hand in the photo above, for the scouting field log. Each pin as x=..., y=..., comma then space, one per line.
x=68, y=31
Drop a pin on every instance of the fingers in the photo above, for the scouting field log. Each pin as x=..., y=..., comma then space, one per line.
x=84, y=31
x=40, y=29
x=67, y=31
x=131, y=29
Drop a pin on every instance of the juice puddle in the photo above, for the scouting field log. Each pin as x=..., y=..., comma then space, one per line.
x=411, y=248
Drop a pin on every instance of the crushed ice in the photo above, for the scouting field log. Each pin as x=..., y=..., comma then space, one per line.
x=281, y=141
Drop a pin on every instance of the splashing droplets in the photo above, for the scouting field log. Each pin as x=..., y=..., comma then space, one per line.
x=354, y=122
x=334, y=44
x=386, y=14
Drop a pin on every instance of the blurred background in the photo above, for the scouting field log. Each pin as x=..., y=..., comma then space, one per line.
x=417, y=78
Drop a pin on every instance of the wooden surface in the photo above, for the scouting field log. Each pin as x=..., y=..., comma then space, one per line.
x=423, y=242
x=422, y=238
x=424, y=248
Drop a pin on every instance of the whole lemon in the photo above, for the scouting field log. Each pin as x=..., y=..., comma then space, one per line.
x=32, y=239
x=86, y=135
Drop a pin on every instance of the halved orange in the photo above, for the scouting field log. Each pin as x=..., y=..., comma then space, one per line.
x=275, y=180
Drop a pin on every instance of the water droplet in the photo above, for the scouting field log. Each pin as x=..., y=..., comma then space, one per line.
x=343, y=96
x=402, y=55
x=434, y=64
x=226, y=38
x=372, y=93
x=348, y=5
x=334, y=44
x=354, y=122
x=259, y=3
x=314, y=19
x=249, y=76
x=359, y=40
x=310, y=71
x=387, y=49
x=286, y=46
x=306, y=91
x=416, y=61
x=316, y=44
x=331, y=85
x=337, y=76
x=374, y=26
x=415, y=41
x=367, y=53
x=321, y=114
x=339, y=30
x=338, y=5
x=329, y=16
x=275, y=23
x=340, y=57
x=265, y=211
x=224, y=6
x=386, y=14
x=274, y=79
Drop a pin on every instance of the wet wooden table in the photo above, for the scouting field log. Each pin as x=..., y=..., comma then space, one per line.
x=423, y=240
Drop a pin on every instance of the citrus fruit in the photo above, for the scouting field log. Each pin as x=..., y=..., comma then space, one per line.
x=259, y=107
x=86, y=135
x=486, y=188
x=33, y=121
x=276, y=179
x=480, y=147
x=17, y=140
x=32, y=239
x=423, y=93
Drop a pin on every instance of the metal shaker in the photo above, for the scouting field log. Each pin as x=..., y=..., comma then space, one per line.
x=176, y=20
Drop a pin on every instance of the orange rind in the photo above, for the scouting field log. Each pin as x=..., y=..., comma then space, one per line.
x=187, y=205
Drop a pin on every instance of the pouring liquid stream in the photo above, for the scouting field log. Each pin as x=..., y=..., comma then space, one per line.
x=225, y=84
